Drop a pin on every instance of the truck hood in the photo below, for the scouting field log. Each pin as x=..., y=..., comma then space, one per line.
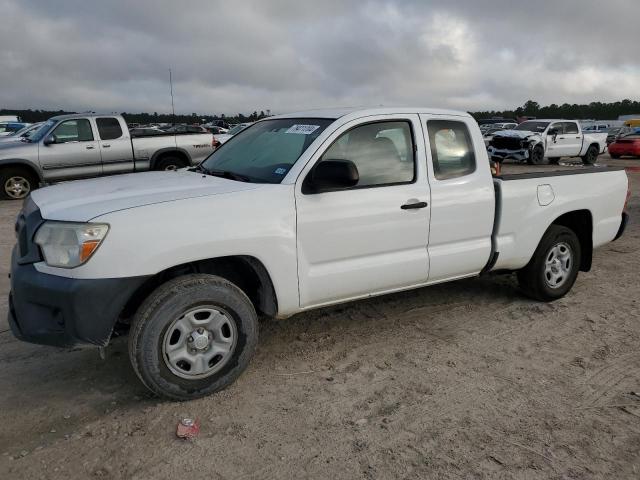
x=515, y=134
x=80, y=201
x=10, y=148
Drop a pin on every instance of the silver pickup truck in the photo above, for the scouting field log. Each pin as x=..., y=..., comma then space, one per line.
x=69, y=147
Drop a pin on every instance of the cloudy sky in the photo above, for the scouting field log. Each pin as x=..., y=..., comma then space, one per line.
x=238, y=56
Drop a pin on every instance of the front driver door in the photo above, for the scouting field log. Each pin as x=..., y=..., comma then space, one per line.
x=75, y=153
x=370, y=238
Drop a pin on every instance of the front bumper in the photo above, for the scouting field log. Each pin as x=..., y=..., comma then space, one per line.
x=60, y=311
x=504, y=154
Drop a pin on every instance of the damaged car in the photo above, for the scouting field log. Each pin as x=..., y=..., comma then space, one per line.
x=534, y=141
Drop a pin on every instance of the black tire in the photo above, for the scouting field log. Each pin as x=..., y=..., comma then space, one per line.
x=167, y=305
x=554, y=160
x=16, y=183
x=533, y=278
x=591, y=156
x=170, y=163
x=537, y=155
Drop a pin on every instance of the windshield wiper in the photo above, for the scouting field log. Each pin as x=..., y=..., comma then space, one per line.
x=227, y=174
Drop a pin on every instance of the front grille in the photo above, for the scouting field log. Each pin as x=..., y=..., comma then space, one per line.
x=508, y=143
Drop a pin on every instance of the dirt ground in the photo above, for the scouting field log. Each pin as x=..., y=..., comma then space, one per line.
x=464, y=380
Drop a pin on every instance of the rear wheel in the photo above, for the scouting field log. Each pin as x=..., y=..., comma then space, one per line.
x=17, y=182
x=591, y=156
x=192, y=337
x=536, y=156
x=170, y=163
x=553, y=269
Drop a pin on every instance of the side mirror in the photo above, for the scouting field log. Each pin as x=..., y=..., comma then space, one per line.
x=552, y=131
x=334, y=175
x=49, y=139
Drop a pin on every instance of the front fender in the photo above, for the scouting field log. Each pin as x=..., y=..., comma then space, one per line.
x=23, y=161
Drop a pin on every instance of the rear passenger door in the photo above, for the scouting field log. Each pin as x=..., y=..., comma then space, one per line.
x=370, y=238
x=115, y=146
x=74, y=154
x=462, y=197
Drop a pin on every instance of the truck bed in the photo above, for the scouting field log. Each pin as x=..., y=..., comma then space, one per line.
x=529, y=198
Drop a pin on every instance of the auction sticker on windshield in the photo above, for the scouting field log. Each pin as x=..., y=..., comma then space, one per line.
x=302, y=129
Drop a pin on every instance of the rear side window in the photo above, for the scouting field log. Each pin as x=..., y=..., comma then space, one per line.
x=109, y=128
x=451, y=149
x=571, y=127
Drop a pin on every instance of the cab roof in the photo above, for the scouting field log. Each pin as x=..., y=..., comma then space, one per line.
x=335, y=113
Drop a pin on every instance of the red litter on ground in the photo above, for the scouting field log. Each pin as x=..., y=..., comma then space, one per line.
x=188, y=428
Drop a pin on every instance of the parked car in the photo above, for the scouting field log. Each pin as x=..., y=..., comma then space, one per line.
x=216, y=130
x=233, y=131
x=9, y=128
x=629, y=145
x=69, y=147
x=535, y=140
x=10, y=118
x=614, y=132
x=24, y=132
x=298, y=212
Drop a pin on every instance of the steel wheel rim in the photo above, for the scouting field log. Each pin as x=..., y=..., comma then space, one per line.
x=199, y=342
x=17, y=187
x=558, y=265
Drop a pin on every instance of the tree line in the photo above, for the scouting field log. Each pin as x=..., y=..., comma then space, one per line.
x=591, y=111
x=531, y=108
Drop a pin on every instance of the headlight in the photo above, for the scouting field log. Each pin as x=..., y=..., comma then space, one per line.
x=66, y=244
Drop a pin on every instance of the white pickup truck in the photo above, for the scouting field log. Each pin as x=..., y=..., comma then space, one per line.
x=294, y=213
x=535, y=140
x=69, y=147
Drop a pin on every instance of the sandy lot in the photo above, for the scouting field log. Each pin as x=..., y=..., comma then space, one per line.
x=463, y=380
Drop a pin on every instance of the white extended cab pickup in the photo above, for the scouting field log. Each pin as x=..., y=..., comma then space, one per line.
x=535, y=140
x=296, y=212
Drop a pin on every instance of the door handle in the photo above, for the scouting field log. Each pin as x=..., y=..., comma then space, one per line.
x=90, y=147
x=411, y=206
x=106, y=145
x=578, y=138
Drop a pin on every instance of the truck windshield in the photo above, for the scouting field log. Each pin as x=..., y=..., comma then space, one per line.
x=532, y=126
x=265, y=151
x=41, y=132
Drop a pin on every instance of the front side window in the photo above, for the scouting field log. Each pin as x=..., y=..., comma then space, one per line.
x=109, y=128
x=266, y=151
x=78, y=130
x=382, y=152
x=558, y=127
x=451, y=149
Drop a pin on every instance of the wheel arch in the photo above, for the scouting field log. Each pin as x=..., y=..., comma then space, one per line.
x=246, y=272
x=21, y=162
x=169, y=152
x=581, y=223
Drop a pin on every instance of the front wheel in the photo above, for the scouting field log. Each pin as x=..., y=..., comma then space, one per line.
x=16, y=183
x=536, y=156
x=553, y=269
x=192, y=337
x=591, y=156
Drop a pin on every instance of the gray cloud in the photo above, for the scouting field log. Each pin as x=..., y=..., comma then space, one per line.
x=230, y=57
